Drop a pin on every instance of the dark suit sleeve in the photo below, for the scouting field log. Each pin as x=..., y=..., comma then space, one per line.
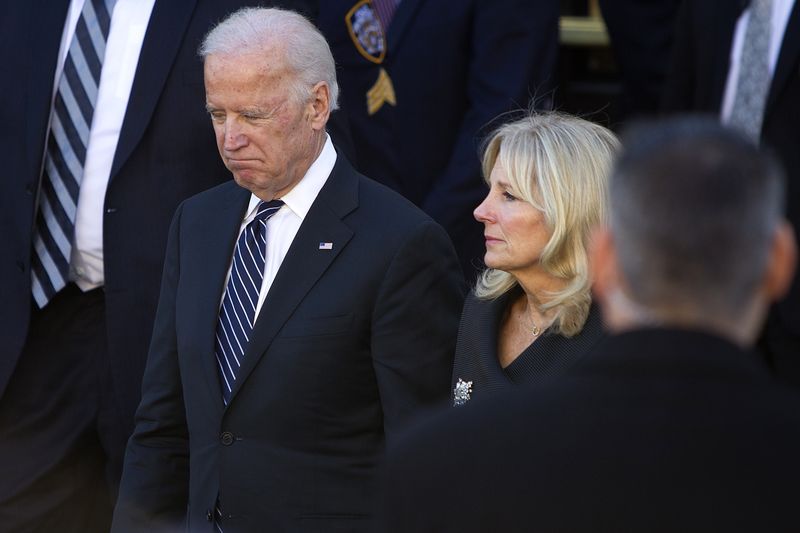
x=415, y=324
x=155, y=482
x=641, y=38
x=680, y=83
x=512, y=60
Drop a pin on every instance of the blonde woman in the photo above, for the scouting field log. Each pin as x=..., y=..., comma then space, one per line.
x=530, y=315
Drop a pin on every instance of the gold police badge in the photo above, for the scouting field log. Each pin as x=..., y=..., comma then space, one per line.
x=369, y=37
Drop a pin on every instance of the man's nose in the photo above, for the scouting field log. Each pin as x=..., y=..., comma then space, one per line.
x=235, y=137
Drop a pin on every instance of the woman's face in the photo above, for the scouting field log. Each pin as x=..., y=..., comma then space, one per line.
x=515, y=231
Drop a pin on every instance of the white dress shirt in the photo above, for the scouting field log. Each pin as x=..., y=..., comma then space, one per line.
x=781, y=10
x=128, y=25
x=282, y=227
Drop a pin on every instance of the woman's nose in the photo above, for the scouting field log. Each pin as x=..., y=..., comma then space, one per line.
x=482, y=213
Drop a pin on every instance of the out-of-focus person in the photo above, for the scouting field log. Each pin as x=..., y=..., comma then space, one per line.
x=741, y=61
x=530, y=316
x=672, y=423
x=423, y=80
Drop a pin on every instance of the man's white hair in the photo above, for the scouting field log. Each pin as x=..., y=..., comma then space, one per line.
x=305, y=50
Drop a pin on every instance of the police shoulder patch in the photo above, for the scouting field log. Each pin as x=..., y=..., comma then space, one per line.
x=366, y=31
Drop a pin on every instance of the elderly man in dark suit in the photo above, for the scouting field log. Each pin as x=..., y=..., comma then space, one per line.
x=672, y=424
x=741, y=61
x=306, y=313
x=71, y=368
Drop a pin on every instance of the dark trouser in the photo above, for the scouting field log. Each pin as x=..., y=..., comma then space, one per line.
x=60, y=445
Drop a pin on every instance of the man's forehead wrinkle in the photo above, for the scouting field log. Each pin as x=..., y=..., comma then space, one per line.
x=267, y=55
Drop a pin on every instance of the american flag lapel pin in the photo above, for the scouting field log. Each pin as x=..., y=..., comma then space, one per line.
x=326, y=246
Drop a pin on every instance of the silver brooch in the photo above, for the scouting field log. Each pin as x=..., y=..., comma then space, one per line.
x=462, y=392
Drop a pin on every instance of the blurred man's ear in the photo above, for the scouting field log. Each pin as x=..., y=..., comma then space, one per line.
x=320, y=105
x=781, y=263
x=603, y=264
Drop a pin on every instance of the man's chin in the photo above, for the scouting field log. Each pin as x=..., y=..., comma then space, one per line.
x=245, y=179
x=252, y=185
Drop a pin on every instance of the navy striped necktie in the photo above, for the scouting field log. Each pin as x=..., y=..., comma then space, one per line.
x=71, y=122
x=238, y=311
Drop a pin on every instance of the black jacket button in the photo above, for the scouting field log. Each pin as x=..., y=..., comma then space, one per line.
x=209, y=515
x=226, y=438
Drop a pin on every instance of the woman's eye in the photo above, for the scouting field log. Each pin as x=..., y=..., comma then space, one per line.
x=508, y=196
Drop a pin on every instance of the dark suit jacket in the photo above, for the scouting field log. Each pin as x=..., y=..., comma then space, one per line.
x=697, y=83
x=455, y=67
x=166, y=153
x=476, y=359
x=350, y=343
x=641, y=33
x=656, y=430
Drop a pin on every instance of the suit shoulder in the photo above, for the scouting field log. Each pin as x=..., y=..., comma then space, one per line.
x=228, y=189
x=383, y=202
x=386, y=217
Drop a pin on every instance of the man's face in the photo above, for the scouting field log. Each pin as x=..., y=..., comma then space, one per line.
x=267, y=138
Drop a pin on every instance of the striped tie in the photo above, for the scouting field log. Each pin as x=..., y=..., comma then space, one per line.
x=754, y=80
x=238, y=310
x=71, y=121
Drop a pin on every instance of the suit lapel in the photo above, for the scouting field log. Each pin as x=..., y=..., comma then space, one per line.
x=493, y=318
x=305, y=262
x=788, y=59
x=45, y=28
x=212, y=257
x=402, y=17
x=168, y=22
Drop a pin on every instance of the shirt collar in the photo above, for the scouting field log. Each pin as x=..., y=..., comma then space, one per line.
x=302, y=195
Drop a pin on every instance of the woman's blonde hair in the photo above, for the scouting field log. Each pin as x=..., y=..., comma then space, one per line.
x=560, y=165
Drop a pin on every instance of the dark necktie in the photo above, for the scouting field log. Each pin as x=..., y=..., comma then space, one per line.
x=238, y=310
x=754, y=80
x=67, y=141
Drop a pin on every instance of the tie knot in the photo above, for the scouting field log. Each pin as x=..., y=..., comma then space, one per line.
x=267, y=209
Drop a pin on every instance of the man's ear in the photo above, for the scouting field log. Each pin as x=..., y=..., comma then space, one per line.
x=603, y=264
x=320, y=105
x=781, y=263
